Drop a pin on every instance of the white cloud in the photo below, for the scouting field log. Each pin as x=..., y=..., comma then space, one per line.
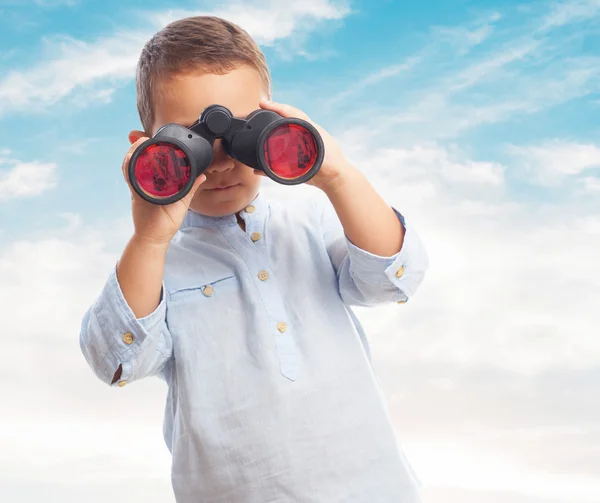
x=457, y=40
x=269, y=20
x=570, y=11
x=496, y=340
x=591, y=184
x=56, y=264
x=515, y=72
x=489, y=92
x=375, y=78
x=53, y=433
x=24, y=179
x=78, y=147
x=464, y=38
x=493, y=281
x=509, y=300
x=38, y=3
x=490, y=472
x=56, y=3
x=426, y=163
x=550, y=162
x=491, y=65
x=72, y=66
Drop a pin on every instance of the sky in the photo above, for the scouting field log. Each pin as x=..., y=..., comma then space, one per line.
x=478, y=120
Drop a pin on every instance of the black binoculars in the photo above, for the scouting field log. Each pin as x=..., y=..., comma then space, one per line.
x=163, y=169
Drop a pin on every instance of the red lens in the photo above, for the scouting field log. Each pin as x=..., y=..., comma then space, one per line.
x=290, y=151
x=162, y=170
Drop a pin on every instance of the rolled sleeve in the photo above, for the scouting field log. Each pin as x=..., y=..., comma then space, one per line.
x=112, y=336
x=366, y=279
x=404, y=270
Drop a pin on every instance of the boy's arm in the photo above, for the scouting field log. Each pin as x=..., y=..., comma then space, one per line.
x=378, y=258
x=368, y=221
x=124, y=336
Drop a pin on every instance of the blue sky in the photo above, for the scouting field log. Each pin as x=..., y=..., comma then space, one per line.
x=477, y=119
x=83, y=130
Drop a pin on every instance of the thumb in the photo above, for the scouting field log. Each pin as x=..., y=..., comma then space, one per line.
x=199, y=181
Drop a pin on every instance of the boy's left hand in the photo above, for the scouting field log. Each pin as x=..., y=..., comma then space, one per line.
x=335, y=165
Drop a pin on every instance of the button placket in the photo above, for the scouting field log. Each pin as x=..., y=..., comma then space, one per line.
x=255, y=258
x=251, y=224
x=287, y=348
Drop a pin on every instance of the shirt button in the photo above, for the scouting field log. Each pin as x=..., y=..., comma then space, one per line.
x=400, y=272
x=255, y=236
x=250, y=209
x=263, y=275
x=281, y=326
x=208, y=290
x=121, y=384
x=128, y=338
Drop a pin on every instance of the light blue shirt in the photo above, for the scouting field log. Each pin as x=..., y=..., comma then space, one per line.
x=271, y=394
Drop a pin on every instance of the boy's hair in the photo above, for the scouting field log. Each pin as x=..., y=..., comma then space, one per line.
x=201, y=43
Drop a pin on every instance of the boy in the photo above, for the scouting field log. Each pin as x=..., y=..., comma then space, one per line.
x=242, y=305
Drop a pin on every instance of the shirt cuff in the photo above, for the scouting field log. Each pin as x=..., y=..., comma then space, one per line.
x=130, y=332
x=403, y=269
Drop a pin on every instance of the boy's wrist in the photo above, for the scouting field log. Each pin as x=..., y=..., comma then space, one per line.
x=156, y=244
x=335, y=184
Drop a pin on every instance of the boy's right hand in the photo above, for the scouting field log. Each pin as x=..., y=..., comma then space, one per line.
x=156, y=223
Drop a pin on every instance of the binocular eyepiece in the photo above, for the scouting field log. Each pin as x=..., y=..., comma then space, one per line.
x=163, y=169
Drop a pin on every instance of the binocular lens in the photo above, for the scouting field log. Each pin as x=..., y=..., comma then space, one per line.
x=162, y=170
x=290, y=151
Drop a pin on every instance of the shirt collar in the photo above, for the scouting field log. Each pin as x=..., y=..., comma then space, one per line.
x=193, y=219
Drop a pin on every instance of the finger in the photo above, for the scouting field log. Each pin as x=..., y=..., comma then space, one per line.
x=284, y=109
x=125, y=166
x=199, y=181
x=127, y=159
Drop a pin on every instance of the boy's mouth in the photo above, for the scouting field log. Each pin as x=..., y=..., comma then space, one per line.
x=224, y=187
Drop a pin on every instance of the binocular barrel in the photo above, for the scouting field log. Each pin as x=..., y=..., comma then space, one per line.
x=163, y=169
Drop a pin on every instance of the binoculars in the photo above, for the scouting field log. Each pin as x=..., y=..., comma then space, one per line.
x=163, y=169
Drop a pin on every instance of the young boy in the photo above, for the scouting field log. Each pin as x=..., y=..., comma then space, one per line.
x=243, y=305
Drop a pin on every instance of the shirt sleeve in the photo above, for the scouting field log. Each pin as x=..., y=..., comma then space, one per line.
x=111, y=335
x=366, y=279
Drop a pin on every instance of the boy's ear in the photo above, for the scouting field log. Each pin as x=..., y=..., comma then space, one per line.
x=135, y=135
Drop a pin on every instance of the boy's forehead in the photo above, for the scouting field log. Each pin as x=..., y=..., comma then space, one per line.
x=182, y=98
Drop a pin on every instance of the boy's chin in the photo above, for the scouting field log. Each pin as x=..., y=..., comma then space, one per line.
x=216, y=204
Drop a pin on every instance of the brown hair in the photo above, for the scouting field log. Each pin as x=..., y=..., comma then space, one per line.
x=200, y=43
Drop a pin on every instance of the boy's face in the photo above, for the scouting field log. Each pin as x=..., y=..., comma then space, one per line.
x=181, y=101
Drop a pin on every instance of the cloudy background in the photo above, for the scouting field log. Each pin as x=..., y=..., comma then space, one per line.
x=477, y=119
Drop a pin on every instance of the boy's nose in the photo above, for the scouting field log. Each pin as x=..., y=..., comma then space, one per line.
x=221, y=160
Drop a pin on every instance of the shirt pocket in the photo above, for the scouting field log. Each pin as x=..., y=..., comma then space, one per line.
x=209, y=287
x=207, y=319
